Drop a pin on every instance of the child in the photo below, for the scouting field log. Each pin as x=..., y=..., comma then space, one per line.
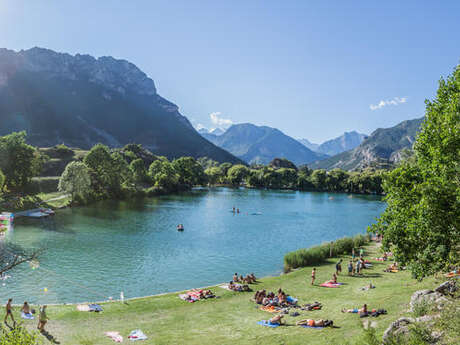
x=350, y=268
x=338, y=267
x=313, y=276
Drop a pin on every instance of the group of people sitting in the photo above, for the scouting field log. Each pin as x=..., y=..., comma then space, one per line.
x=270, y=299
x=249, y=279
x=238, y=287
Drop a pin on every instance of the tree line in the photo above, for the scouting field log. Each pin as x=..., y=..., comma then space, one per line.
x=106, y=173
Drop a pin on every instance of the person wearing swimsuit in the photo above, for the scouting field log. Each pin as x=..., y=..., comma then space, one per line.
x=313, y=276
x=9, y=311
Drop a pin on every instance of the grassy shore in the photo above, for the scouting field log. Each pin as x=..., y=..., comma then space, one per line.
x=232, y=318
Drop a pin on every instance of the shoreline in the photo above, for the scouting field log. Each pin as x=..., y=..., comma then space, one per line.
x=216, y=286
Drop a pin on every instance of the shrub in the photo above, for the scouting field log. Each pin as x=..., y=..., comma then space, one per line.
x=18, y=336
x=318, y=254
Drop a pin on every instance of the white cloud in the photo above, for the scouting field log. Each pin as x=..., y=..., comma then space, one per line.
x=394, y=101
x=218, y=121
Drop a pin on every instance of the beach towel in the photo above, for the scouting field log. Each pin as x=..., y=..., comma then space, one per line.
x=270, y=309
x=291, y=300
x=330, y=285
x=83, y=307
x=137, y=335
x=186, y=297
x=115, y=336
x=95, y=307
x=27, y=316
x=267, y=324
x=452, y=274
x=316, y=327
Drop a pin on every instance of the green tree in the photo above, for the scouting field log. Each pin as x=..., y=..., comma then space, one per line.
x=164, y=175
x=138, y=170
x=122, y=167
x=422, y=220
x=288, y=177
x=214, y=175
x=190, y=172
x=237, y=173
x=105, y=179
x=18, y=160
x=336, y=180
x=75, y=180
x=2, y=182
x=318, y=179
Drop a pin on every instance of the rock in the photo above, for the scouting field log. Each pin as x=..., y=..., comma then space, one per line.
x=447, y=288
x=397, y=327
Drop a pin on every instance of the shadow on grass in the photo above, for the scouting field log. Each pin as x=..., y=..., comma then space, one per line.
x=50, y=338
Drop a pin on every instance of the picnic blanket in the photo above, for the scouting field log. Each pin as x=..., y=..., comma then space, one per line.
x=27, y=316
x=115, y=336
x=331, y=285
x=193, y=296
x=267, y=323
x=137, y=335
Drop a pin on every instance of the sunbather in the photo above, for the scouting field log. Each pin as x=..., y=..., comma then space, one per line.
x=315, y=323
x=363, y=310
x=277, y=319
x=253, y=277
x=313, y=275
x=235, y=277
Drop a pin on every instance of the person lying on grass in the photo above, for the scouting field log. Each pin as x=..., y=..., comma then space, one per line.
x=277, y=319
x=363, y=310
x=315, y=323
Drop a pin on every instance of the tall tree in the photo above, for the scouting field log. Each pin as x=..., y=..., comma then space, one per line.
x=18, y=160
x=422, y=220
x=75, y=180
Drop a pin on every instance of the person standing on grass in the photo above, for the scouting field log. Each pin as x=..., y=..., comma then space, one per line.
x=358, y=267
x=353, y=254
x=361, y=252
x=338, y=267
x=42, y=319
x=9, y=311
x=350, y=268
x=313, y=276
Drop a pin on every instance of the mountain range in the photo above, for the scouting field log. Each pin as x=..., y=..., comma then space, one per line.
x=261, y=144
x=384, y=146
x=345, y=142
x=80, y=101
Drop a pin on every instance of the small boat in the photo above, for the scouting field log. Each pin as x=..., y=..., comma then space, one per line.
x=180, y=227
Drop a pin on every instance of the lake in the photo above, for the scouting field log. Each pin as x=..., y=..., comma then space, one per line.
x=95, y=252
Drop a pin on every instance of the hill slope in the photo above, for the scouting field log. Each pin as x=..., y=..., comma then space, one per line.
x=80, y=101
x=260, y=144
x=384, y=145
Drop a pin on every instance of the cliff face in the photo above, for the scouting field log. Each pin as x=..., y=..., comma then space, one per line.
x=80, y=101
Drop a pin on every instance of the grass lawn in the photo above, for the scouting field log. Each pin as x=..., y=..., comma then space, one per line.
x=231, y=319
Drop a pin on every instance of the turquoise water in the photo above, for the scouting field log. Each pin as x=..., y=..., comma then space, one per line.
x=96, y=252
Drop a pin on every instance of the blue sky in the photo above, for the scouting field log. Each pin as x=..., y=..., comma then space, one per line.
x=313, y=69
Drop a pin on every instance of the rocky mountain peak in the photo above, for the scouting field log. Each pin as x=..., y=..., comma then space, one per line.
x=114, y=74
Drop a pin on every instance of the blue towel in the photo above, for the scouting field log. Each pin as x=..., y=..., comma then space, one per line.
x=267, y=324
x=306, y=326
x=27, y=316
x=95, y=307
x=291, y=300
